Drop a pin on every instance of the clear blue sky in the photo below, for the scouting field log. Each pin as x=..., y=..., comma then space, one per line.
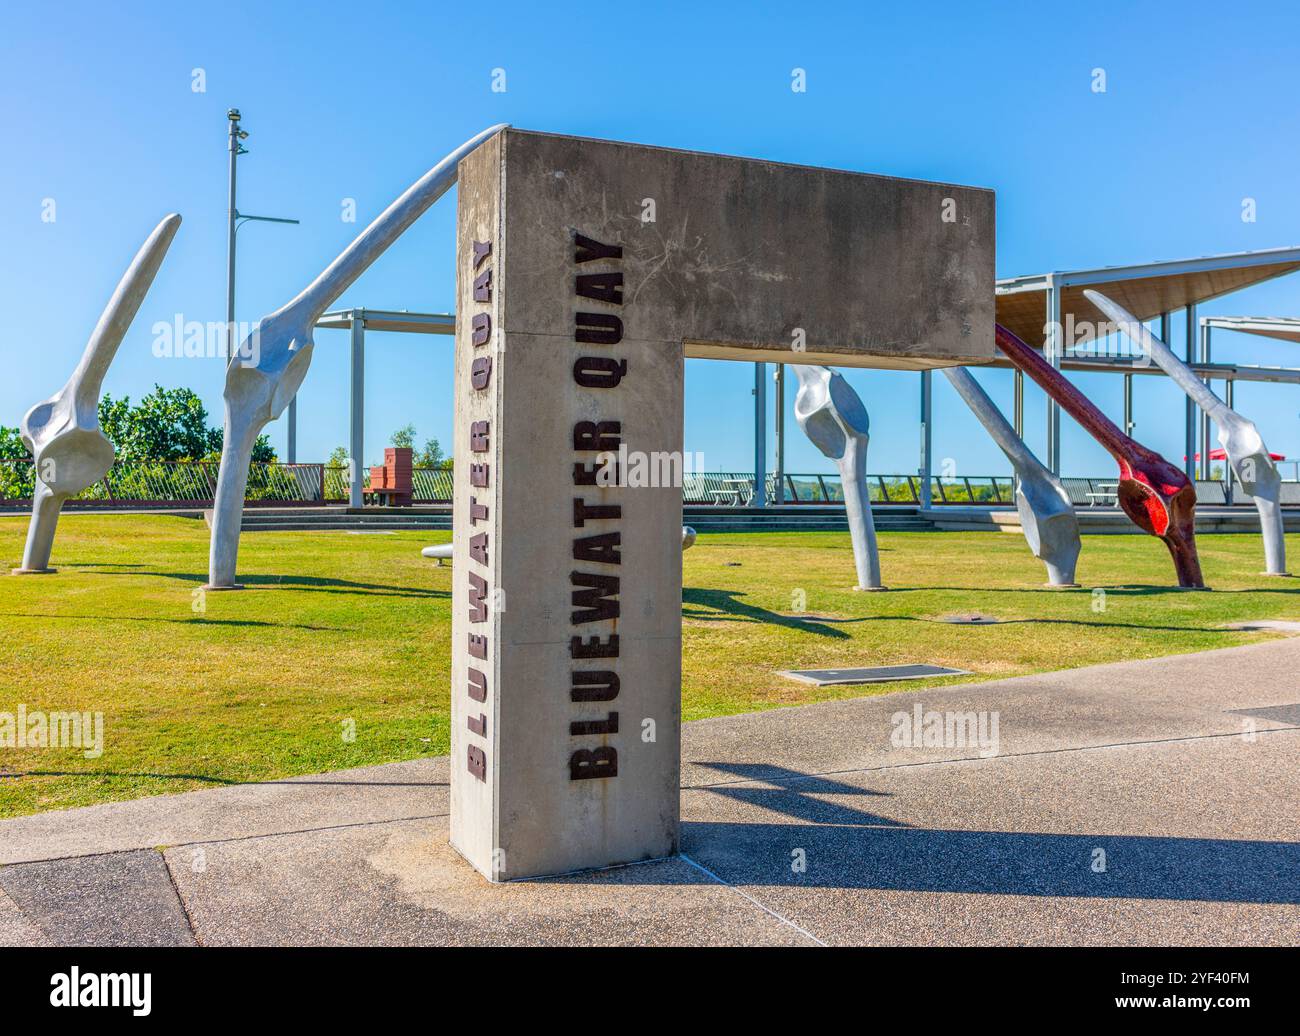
x=356, y=100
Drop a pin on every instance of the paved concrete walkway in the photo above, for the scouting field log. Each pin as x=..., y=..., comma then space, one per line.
x=1149, y=802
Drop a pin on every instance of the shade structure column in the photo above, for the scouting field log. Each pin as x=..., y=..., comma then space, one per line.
x=1053, y=347
x=779, y=427
x=927, y=438
x=1207, y=472
x=1190, y=413
x=760, y=435
x=357, y=421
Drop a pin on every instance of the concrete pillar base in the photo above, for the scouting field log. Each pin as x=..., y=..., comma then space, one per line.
x=32, y=571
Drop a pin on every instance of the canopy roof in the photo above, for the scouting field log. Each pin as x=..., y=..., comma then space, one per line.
x=1146, y=291
x=1286, y=329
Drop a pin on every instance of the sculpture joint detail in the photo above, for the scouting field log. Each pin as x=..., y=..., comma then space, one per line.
x=1156, y=496
x=831, y=414
x=1240, y=439
x=1046, y=514
x=70, y=452
x=271, y=364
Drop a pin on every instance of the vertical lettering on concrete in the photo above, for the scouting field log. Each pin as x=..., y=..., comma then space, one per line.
x=596, y=585
x=480, y=477
x=477, y=487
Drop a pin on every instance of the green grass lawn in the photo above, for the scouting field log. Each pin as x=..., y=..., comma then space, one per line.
x=340, y=630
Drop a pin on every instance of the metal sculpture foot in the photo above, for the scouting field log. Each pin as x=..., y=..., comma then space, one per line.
x=271, y=363
x=1156, y=496
x=1046, y=514
x=70, y=452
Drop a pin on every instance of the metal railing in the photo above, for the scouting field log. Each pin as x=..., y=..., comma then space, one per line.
x=428, y=485
x=164, y=483
x=737, y=489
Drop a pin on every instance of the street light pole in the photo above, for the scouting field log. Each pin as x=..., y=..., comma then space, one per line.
x=233, y=220
x=232, y=216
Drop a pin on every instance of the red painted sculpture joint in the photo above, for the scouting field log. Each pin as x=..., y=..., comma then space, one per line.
x=1158, y=497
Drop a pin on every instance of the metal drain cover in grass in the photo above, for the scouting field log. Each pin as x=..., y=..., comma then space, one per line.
x=971, y=619
x=870, y=674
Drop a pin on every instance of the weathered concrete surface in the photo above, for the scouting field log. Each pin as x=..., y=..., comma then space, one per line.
x=1195, y=804
x=403, y=884
x=571, y=776
x=120, y=899
x=742, y=252
x=370, y=795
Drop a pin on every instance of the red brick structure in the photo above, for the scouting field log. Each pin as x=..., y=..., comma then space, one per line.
x=391, y=483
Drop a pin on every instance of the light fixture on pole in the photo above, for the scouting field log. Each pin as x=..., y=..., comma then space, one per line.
x=234, y=219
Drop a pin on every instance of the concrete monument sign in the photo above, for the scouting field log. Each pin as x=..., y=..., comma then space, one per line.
x=1238, y=436
x=1046, y=514
x=587, y=270
x=831, y=414
x=70, y=451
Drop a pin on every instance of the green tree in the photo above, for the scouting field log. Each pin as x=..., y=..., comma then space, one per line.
x=167, y=425
x=17, y=480
x=430, y=455
x=403, y=437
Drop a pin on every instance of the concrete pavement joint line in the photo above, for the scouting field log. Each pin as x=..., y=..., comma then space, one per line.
x=180, y=899
x=223, y=841
x=974, y=759
x=741, y=892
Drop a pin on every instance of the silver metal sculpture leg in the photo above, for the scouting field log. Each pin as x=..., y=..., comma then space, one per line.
x=831, y=414
x=1238, y=436
x=46, y=505
x=1046, y=514
x=271, y=363
x=70, y=452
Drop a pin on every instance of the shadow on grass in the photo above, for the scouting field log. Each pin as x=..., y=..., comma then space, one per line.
x=98, y=564
x=1025, y=622
x=1119, y=589
x=310, y=584
x=197, y=621
x=726, y=602
x=227, y=781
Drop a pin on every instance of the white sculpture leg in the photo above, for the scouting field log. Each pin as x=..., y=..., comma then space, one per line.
x=1046, y=514
x=1238, y=436
x=265, y=374
x=69, y=451
x=46, y=506
x=833, y=417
